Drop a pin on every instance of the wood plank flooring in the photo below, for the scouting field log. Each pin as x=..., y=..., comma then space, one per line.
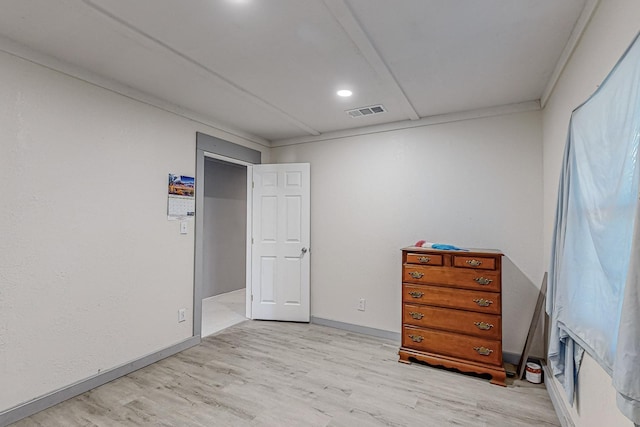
x=291, y=374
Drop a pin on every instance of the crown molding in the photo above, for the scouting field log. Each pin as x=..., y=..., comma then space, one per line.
x=576, y=34
x=408, y=124
x=23, y=52
x=219, y=78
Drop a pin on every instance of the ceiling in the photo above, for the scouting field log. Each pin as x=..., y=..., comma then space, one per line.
x=270, y=69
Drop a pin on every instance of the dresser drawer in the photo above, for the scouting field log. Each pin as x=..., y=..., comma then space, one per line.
x=483, y=302
x=448, y=276
x=475, y=262
x=450, y=344
x=466, y=322
x=425, y=259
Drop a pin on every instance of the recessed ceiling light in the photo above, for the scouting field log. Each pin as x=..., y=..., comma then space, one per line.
x=344, y=92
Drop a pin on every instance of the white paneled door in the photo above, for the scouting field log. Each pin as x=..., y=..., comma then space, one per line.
x=280, y=257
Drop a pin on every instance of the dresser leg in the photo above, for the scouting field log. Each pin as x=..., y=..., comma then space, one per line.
x=404, y=358
x=498, y=375
x=499, y=378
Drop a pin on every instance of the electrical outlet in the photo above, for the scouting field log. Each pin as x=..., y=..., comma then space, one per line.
x=182, y=315
x=361, y=304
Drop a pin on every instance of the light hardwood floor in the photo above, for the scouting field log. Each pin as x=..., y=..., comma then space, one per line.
x=291, y=374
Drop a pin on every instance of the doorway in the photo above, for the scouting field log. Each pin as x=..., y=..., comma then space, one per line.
x=215, y=154
x=224, y=244
x=277, y=285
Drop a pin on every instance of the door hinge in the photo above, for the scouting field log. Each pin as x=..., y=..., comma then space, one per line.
x=253, y=184
x=252, y=240
x=251, y=297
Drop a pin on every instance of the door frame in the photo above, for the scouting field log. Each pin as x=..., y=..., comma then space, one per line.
x=208, y=146
x=248, y=223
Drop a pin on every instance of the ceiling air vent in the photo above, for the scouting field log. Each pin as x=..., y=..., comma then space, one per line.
x=366, y=111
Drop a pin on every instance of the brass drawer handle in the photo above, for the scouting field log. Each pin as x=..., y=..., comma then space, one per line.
x=483, y=351
x=424, y=259
x=483, y=302
x=474, y=262
x=483, y=280
x=416, y=274
x=483, y=325
x=416, y=294
x=416, y=338
x=417, y=315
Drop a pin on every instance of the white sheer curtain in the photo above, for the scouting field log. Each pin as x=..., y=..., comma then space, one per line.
x=594, y=281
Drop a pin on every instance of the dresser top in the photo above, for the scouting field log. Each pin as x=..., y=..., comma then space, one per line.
x=469, y=251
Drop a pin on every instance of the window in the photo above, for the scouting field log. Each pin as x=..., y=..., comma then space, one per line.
x=594, y=278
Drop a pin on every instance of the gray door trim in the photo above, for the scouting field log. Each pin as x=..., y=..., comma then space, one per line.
x=210, y=144
x=214, y=145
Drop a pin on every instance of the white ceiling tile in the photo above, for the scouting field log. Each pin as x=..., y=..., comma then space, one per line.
x=272, y=68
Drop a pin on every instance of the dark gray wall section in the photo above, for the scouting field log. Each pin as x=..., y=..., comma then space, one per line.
x=214, y=145
x=225, y=227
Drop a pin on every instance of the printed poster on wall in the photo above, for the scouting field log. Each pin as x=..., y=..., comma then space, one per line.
x=182, y=197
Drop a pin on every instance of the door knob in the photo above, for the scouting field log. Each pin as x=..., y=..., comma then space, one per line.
x=304, y=250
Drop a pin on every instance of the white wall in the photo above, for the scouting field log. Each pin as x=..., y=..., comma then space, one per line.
x=225, y=228
x=474, y=183
x=611, y=30
x=91, y=271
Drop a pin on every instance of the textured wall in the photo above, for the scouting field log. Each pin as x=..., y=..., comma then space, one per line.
x=92, y=273
x=475, y=183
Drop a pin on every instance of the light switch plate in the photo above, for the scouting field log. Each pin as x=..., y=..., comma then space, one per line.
x=184, y=227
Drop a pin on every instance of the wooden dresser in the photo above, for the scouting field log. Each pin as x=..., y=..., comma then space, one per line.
x=451, y=310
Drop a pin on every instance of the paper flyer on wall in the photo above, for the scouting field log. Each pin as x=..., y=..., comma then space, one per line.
x=182, y=197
